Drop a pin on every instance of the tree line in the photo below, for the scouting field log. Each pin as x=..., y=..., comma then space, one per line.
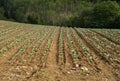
x=73, y=13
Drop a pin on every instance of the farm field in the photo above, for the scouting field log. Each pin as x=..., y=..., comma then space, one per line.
x=52, y=53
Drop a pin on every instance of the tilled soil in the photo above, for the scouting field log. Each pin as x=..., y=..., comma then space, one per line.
x=52, y=61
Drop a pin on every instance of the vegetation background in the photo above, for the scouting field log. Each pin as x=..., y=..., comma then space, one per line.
x=74, y=13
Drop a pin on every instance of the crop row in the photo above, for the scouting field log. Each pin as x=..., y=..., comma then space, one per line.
x=104, y=43
x=47, y=48
x=101, y=50
x=36, y=48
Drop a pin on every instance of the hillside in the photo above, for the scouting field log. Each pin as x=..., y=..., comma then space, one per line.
x=52, y=53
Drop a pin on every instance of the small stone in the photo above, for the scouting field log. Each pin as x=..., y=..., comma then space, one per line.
x=68, y=72
x=77, y=65
x=73, y=69
x=84, y=68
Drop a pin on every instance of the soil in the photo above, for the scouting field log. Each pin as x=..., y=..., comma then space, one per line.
x=49, y=64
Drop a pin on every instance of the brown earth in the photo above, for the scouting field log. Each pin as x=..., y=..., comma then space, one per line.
x=52, y=64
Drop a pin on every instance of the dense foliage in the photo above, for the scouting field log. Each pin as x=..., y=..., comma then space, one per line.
x=79, y=13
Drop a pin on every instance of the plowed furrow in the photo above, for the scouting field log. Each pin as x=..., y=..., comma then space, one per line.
x=106, y=50
x=91, y=47
x=69, y=59
x=39, y=59
x=117, y=43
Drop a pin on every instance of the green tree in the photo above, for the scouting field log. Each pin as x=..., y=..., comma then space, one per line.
x=1, y=13
x=105, y=13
